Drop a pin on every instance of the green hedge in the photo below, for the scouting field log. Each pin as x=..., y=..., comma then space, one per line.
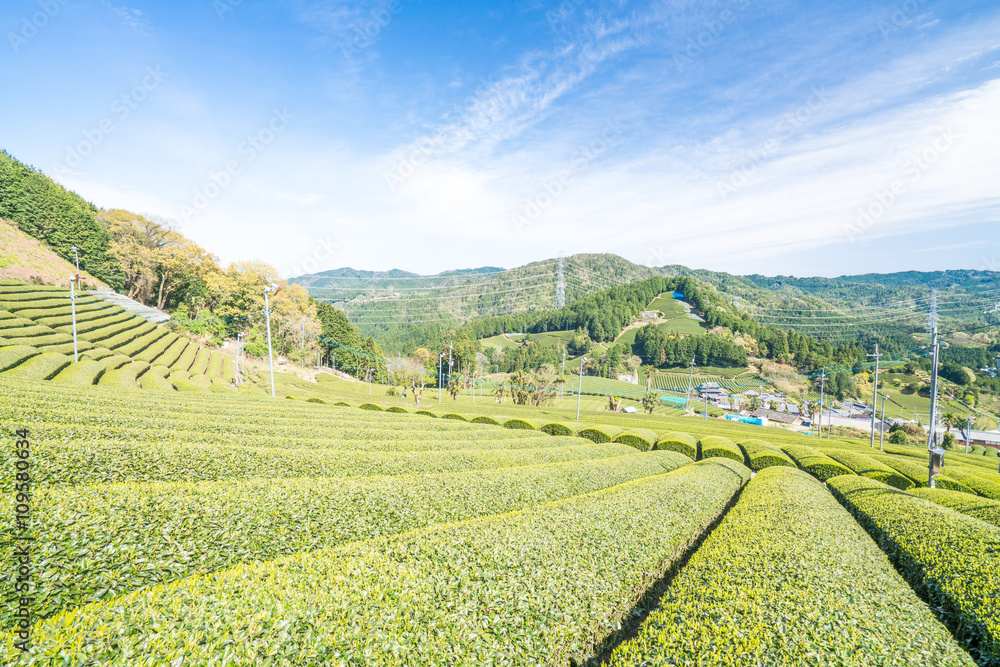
x=44, y=366
x=601, y=433
x=676, y=441
x=397, y=409
x=983, y=509
x=717, y=446
x=504, y=589
x=978, y=450
x=371, y=406
x=316, y=400
x=295, y=515
x=84, y=372
x=789, y=578
x=762, y=454
x=557, y=428
x=486, y=419
x=982, y=486
x=519, y=423
x=918, y=472
x=342, y=404
x=866, y=466
x=452, y=415
x=815, y=462
x=640, y=438
x=14, y=355
x=952, y=559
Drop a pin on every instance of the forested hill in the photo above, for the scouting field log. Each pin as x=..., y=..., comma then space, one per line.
x=59, y=218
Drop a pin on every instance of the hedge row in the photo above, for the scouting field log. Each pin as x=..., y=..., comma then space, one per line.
x=85, y=372
x=715, y=445
x=789, y=578
x=677, y=441
x=79, y=461
x=171, y=531
x=601, y=433
x=977, y=483
x=983, y=509
x=951, y=559
x=918, y=473
x=642, y=439
x=866, y=466
x=762, y=454
x=42, y=366
x=13, y=355
x=499, y=590
x=816, y=463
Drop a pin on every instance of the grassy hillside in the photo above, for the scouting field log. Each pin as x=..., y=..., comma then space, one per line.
x=26, y=259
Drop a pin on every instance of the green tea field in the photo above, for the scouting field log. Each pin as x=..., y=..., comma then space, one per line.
x=199, y=528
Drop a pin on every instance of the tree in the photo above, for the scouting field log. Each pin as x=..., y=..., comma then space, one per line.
x=649, y=401
x=951, y=420
x=614, y=403
x=454, y=387
x=754, y=403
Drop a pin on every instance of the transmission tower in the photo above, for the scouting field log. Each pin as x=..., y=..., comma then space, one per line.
x=560, y=286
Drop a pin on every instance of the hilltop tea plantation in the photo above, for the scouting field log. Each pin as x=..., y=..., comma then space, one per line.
x=156, y=514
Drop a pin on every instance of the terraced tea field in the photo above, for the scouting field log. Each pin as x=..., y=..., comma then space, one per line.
x=117, y=348
x=177, y=528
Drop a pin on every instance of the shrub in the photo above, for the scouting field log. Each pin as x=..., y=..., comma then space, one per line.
x=521, y=424
x=677, y=441
x=715, y=445
x=899, y=438
x=641, y=439
x=13, y=355
x=452, y=415
x=342, y=404
x=486, y=419
x=370, y=406
x=397, y=409
x=557, y=428
x=316, y=400
x=600, y=433
x=426, y=413
x=942, y=553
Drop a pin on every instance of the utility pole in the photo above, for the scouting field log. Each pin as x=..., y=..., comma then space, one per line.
x=881, y=430
x=440, y=359
x=450, y=363
x=563, y=374
x=74, y=281
x=932, y=427
x=968, y=433
x=579, y=391
x=687, y=397
x=303, y=341
x=875, y=392
x=822, y=395
x=270, y=289
x=239, y=341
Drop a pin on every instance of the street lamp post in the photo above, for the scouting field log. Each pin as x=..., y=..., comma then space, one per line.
x=74, y=281
x=270, y=289
x=579, y=391
x=440, y=359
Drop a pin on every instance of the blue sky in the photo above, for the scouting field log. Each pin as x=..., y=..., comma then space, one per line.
x=776, y=138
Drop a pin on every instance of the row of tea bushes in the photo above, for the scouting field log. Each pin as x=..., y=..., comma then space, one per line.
x=789, y=578
x=541, y=586
x=950, y=558
x=105, y=540
x=983, y=509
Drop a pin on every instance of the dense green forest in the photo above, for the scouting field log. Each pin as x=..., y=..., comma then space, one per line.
x=59, y=218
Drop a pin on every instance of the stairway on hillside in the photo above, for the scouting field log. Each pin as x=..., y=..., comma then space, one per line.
x=152, y=314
